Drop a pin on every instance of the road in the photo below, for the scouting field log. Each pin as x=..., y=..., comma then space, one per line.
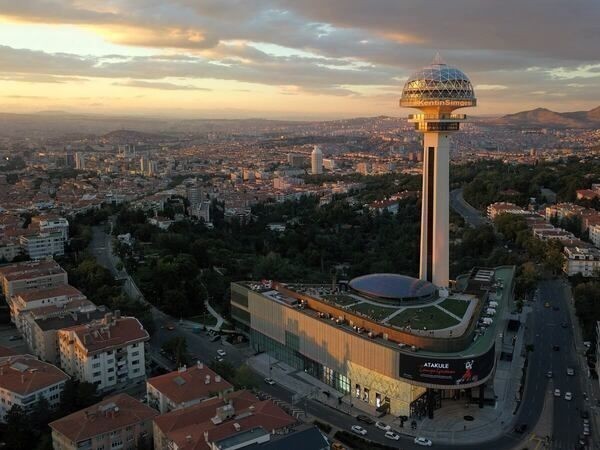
x=471, y=215
x=544, y=328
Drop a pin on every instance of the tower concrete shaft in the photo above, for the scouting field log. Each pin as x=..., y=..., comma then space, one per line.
x=435, y=255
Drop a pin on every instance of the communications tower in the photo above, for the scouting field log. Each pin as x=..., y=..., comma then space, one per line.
x=437, y=90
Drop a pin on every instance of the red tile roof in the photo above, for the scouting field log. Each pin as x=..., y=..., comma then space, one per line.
x=24, y=374
x=186, y=427
x=65, y=290
x=189, y=384
x=30, y=269
x=110, y=414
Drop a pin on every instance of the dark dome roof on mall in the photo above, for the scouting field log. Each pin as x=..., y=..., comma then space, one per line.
x=392, y=286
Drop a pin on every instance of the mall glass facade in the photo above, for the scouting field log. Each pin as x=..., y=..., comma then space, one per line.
x=289, y=354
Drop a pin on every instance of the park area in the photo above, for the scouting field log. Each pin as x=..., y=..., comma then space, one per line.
x=427, y=318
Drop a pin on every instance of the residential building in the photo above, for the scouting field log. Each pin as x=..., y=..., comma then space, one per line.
x=24, y=380
x=595, y=234
x=316, y=161
x=185, y=387
x=108, y=352
x=117, y=422
x=59, y=296
x=217, y=423
x=9, y=250
x=305, y=437
x=495, y=209
x=55, y=225
x=583, y=260
x=41, y=326
x=31, y=275
x=43, y=245
x=597, y=347
x=79, y=161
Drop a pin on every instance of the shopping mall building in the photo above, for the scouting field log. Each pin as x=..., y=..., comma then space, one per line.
x=396, y=343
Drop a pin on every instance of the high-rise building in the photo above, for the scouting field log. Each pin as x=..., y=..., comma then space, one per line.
x=316, y=161
x=436, y=90
x=79, y=161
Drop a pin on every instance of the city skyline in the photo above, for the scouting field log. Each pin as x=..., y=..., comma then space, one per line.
x=282, y=59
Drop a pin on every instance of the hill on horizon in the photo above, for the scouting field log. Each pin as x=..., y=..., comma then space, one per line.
x=543, y=117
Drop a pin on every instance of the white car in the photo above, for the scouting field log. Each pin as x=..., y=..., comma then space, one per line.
x=391, y=435
x=270, y=381
x=570, y=371
x=423, y=442
x=557, y=392
x=221, y=352
x=359, y=430
x=568, y=396
x=382, y=426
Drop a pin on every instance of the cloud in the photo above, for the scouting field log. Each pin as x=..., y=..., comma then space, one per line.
x=490, y=87
x=162, y=85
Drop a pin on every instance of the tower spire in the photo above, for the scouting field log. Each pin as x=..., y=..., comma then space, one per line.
x=437, y=60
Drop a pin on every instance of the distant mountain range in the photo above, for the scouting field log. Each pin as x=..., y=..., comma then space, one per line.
x=542, y=117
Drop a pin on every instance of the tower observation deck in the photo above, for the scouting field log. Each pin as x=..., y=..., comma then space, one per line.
x=437, y=90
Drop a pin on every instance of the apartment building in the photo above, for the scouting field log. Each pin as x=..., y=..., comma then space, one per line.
x=595, y=235
x=30, y=275
x=43, y=245
x=24, y=301
x=55, y=225
x=217, y=423
x=118, y=422
x=24, y=380
x=107, y=352
x=40, y=328
x=185, y=387
x=9, y=250
x=583, y=260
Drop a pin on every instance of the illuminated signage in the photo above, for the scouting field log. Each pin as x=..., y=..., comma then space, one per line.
x=441, y=102
x=451, y=372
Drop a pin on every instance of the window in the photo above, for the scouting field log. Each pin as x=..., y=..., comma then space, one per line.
x=377, y=399
x=135, y=353
x=111, y=369
x=96, y=374
x=135, y=362
x=366, y=395
x=96, y=365
x=357, y=391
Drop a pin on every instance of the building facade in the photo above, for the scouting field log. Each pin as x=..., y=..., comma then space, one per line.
x=582, y=260
x=43, y=245
x=31, y=275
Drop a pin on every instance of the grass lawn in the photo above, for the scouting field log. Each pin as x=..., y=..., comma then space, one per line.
x=375, y=312
x=428, y=317
x=457, y=307
x=341, y=299
x=205, y=319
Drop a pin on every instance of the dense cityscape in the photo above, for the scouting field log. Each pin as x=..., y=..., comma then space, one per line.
x=422, y=276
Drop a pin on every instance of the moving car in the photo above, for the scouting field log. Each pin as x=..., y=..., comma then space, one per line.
x=221, y=352
x=557, y=392
x=570, y=371
x=359, y=430
x=423, y=442
x=270, y=381
x=383, y=426
x=393, y=436
x=365, y=419
x=549, y=374
x=568, y=396
x=546, y=305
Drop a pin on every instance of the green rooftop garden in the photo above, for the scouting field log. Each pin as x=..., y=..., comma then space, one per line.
x=429, y=317
x=456, y=306
x=375, y=312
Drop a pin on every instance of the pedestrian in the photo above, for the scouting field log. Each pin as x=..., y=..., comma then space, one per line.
x=464, y=428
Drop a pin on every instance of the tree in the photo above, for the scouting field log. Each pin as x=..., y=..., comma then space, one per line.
x=245, y=378
x=19, y=434
x=177, y=347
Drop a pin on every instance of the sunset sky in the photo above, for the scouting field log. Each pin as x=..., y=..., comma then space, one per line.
x=291, y=58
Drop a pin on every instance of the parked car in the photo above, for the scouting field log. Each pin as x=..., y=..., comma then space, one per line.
x=423, y=442
x=568, y=396
x=215, y=338
x=219, y=358
x=359, y=430
x=221, y=352
x=393, y=436
x=16, y=337
x=570, y=371
x=383, y=426
x=365, y=419
x=549, y=374
x=270, y=381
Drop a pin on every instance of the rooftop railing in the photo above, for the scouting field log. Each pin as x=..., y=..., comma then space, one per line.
x=423, y=117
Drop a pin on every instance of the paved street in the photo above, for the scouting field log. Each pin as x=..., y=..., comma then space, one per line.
x=471, y=215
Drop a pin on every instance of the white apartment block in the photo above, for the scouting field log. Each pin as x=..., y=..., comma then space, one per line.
x=31, y=275
x=583, y=260
x=108, y=352
x=56, y=225
x=595, y=235
x=43, y=245
x=24, y=380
